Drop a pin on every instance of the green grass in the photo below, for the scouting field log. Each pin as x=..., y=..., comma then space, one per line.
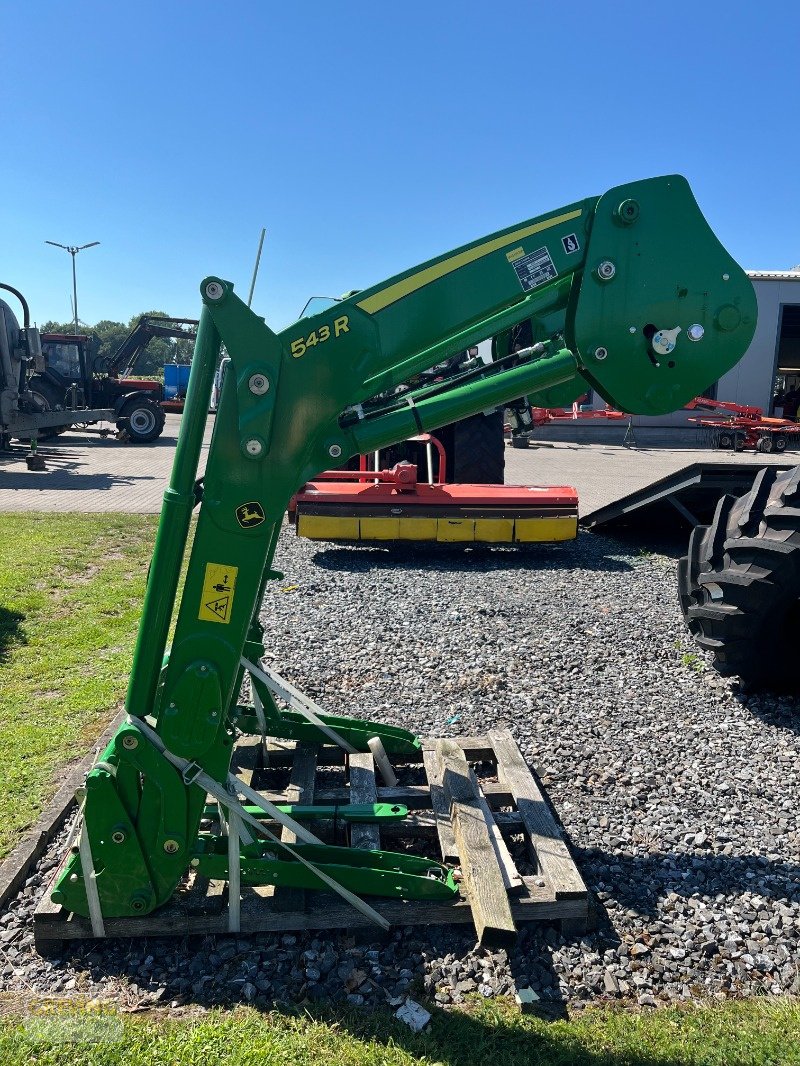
x=694, y=662
x=754, y=1033
x=71, y=591
x=71, y=588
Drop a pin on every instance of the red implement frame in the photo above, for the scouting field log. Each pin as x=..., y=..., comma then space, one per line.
x=742, y=427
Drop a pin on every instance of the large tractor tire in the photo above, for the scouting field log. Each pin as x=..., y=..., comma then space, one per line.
x=47, y=397
x=476, y=450
x=142, y=420
x=739, y=585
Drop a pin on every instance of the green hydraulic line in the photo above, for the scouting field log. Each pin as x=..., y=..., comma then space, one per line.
x=347, y=812
x=434, y=411
x=173, y=526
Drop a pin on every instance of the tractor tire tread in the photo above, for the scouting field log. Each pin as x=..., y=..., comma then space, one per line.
x=739, y=584
x=479, y=450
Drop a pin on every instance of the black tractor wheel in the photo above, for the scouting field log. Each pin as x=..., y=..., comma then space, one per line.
x=476, y=450
x=726, y=439
x=739, y=586
x=47, y=397
x=142, y=420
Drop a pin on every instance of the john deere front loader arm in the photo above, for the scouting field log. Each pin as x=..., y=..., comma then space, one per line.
x=630, y=293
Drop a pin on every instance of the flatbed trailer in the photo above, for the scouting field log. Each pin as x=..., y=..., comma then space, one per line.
x=688, y=496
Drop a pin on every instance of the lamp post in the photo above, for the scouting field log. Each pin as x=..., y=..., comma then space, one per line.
x=73, y=251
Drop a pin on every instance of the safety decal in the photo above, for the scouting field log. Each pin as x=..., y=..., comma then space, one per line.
x=219, y=588
x=571, y=243
x=249, y=515
x=534, y=269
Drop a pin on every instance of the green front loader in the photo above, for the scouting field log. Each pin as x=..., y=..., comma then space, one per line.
x=629, y=293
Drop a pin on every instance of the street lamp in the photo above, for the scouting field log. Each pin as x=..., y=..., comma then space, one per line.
x=73, y=251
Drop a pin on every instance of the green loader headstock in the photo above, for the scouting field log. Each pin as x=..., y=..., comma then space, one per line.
x=663, y=310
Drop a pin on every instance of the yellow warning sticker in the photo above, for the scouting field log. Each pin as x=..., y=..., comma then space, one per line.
x=219, y=588
x=515, y=253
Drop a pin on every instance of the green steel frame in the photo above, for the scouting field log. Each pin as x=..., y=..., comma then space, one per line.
x=630, y=293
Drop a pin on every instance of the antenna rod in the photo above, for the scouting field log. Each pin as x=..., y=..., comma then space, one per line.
x=255, y=268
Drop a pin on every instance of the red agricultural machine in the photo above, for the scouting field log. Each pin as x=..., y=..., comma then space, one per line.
x=394, y=505
x=738, y=427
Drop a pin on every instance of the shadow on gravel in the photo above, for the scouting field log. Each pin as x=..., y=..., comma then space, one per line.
x=639, y=882
x=570, y=556
x=780, y=710
x=644, y=539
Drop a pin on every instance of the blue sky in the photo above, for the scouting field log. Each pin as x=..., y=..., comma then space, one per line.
x=368, y=137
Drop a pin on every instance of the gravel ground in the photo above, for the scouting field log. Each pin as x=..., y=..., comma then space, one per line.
x=678, y=791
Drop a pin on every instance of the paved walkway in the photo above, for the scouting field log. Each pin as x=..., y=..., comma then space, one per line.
x=605, y=473
x=88, y=474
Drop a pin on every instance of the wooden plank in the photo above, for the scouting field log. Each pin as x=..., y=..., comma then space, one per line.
x=301, y=783
x=476, y=749
x=281, y=752
x=300, y=790
x=426, y=825
x=553, y=859
x=16, y=867
x=486, y=892
x=545, y=902
x=420, y=825
x=363, y=790
x=511, y=877
x=259, y=915
x=415, y=797
x=247, y=758
x=441, y=807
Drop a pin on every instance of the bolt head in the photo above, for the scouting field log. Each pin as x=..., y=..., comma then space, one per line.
x=606, y=270
x=334, y=451
x=118, y=837
x=258, y=384
x=254, y=447
x=695, y=332
x=601, y=353
x=171, y=846
x=130, y=743
x=628, y=212
x=214, y=291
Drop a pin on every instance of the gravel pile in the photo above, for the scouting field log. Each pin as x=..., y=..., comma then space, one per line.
x=679, y=793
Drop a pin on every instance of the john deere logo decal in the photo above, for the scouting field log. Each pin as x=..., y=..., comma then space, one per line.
x=250, y=514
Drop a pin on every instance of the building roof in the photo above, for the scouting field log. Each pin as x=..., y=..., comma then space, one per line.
x=778, y=275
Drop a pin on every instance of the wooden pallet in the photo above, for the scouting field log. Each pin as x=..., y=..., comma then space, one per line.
x=473, y=800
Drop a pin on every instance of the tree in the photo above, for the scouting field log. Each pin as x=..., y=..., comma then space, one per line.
x=108, y=336
x=57, y=327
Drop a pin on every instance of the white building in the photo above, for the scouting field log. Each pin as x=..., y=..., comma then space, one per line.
x=771, y=365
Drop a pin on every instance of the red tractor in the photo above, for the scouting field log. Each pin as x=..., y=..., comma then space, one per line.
x=75, y=379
